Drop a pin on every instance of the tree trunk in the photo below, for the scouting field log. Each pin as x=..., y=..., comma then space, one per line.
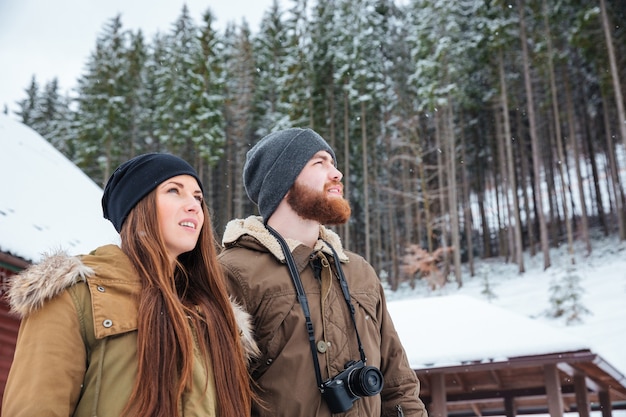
x=617, y=87
x=507, y=137
x=562, y=162
x=554, y=209
x=486, y=232
x=428, y=222
x=366, y=205
x=588, y=137
x=534, y=141
x=467, y=207
x=584, y=221
x=346, y=163
x=410, y=216
x=441, y=192
x=525, y=174
x=453, y=199
x=615, y=187
x=503, y=189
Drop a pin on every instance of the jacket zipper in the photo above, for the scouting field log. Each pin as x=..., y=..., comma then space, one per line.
x=399, y=410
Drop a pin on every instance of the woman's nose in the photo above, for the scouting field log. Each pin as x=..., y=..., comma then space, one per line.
x=193, y=204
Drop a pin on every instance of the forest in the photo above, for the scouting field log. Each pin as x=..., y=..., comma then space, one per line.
x=464, y=129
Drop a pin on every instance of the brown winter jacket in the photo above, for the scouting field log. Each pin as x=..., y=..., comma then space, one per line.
x=77, y=345
x=260, y=280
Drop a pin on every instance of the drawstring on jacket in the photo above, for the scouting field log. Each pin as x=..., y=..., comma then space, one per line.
x=94, y=411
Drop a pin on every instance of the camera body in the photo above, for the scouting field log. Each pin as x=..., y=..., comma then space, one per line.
x=355, y=381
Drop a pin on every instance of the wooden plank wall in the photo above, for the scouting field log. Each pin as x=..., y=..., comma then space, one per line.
x=9, y=326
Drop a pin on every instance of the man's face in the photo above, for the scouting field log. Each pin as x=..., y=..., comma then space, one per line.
x=317, y=193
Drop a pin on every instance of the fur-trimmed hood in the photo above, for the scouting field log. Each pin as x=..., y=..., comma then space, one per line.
x=31, y=288
x=253, y=226
x=43, y=281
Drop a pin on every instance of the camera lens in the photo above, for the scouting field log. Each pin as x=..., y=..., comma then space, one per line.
x=366, y=381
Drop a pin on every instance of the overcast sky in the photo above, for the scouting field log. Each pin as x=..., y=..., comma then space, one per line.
x=53, y=38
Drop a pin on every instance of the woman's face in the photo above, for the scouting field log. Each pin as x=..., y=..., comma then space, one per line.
x=179, y=212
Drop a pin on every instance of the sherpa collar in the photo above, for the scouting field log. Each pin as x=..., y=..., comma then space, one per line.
x=253, y=226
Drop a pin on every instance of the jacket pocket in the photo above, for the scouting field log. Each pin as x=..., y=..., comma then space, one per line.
x=367, y=304
x=274, y=323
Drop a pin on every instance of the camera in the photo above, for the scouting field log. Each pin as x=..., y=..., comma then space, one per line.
x=355, y=381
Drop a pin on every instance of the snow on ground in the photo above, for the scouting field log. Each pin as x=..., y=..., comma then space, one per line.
x=603, y=290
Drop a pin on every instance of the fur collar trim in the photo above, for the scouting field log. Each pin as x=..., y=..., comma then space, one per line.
x=31, y=288
x=253, y=226
x=40, y=282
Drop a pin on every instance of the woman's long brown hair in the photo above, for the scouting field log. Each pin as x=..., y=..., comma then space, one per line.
x=194, y=292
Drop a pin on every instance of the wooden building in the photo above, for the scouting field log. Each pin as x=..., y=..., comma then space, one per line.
x=475, y=359
x=551, y=384
x=9, y=325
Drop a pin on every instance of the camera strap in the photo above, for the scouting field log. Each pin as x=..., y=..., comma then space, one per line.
x=346, y=296
x=295, y=277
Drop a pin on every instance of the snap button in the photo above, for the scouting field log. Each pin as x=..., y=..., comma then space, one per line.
x=322, y=346
x=100, y=288
x=107, y=323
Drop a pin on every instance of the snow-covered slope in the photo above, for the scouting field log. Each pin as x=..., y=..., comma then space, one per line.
x=46, y=202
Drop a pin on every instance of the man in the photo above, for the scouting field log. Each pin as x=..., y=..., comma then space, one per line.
x=292, y=274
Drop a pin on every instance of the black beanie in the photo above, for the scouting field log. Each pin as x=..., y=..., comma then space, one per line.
x=135, y=178
x=274, y=163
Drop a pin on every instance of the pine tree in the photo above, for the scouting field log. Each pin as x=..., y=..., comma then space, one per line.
x=270, y=55
x=48, y=113
x=297, y=78
x=137, y=95
x=324, y=96
x=158, y=118
x=566, y=297
x=104, y=116
x=55, y=119
x=29, y=107
x=209, y=130
x=180, y=87
x=243, y=121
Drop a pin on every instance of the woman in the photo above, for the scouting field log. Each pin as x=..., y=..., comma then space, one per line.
x=144, y=329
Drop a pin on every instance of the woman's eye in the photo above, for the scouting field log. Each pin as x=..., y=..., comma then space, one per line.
x=199, y=198
x=173, y=190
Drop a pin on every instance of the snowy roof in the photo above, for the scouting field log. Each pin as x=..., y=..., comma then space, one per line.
x=46, y=202
x=459, y=329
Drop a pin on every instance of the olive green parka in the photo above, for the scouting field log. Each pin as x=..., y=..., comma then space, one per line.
x=76, y=352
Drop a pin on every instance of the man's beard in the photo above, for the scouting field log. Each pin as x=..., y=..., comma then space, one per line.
x=316, y=205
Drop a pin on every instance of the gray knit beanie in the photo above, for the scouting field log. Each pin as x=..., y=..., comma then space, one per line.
x=274, y=163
